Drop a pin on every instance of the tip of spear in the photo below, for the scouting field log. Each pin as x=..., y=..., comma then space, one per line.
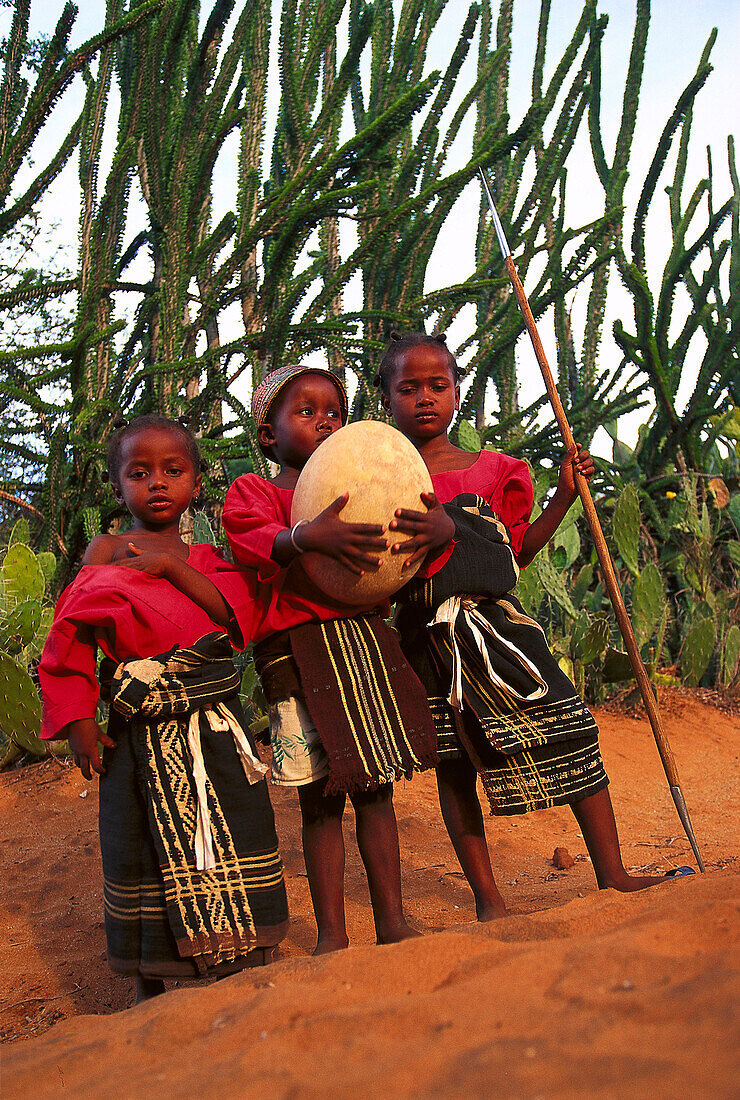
x=503, y=243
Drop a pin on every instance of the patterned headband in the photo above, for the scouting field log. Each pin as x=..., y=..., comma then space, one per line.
x=270, y=387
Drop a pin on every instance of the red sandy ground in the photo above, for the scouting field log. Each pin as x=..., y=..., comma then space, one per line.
x=574, y=993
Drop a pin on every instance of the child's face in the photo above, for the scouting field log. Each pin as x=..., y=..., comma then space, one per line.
x=423, y=394
x=157, y=479
x=309, y=412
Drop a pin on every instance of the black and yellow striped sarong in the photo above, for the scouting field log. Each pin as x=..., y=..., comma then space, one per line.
x=368, y=706
x=193, y=881
x=497, y=694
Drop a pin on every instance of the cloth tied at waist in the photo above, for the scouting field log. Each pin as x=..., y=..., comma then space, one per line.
x=466, y=608
x=178, y=684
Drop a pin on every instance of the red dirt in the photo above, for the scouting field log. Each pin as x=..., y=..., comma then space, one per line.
x=574, y=992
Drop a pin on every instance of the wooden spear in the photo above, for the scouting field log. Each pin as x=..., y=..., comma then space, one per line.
x=602, y=550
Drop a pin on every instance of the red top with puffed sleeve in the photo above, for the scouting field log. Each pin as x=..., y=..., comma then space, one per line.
x=255, y=512
x=128, y=614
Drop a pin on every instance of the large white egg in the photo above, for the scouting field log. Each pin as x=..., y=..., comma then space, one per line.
x=382, y=471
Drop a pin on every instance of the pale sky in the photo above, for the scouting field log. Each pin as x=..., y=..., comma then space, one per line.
x=679, y=30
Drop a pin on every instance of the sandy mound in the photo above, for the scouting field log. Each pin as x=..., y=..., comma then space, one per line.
x=575, y=992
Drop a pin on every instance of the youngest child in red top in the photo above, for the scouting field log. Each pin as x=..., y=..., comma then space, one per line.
x=348, y=716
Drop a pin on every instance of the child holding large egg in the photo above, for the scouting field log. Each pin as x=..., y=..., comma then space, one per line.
x=347, y=714
x=502, y=706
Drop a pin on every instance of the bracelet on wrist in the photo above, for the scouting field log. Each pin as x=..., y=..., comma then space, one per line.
x=298, y=549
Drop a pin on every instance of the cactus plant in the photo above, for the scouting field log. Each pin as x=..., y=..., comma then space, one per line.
x=18, y=627
x=626, y=527
x=468, y=437
x=648, y=603
x=731, y=654
x=20, y=707
x=23, y=577
x=25, y=620
x=697, y=650
x=202, y=529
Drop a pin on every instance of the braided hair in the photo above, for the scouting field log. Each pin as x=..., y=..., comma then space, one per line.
x=398, y=343
x=151, y=420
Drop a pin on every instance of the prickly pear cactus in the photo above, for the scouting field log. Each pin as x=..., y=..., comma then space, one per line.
x=731, y=654
x=697, y=650
x=468, y=437
x=22, y=576
x=25, y=619
x=648, y=603
x=20, y=708
x=626, y=527
x=21, y=532
x=595, y=641
x=202, y=530
x=18, y=627
x=567, y=543
x=48, y=564
x=552, y=582
x=529, y=590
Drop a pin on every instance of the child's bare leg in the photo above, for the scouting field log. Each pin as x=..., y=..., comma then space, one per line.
x=595, y=816
x=377, y=839
x=458, y=799
x=146, y=988
x=323, y=851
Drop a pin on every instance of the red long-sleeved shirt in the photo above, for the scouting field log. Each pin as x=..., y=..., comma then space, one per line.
x=127, y=614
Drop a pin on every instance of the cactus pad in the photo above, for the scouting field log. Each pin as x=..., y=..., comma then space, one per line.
x=19, y=626
x=20, y=707
x=648, y=602
x=731, y=654
x=202, y=530
x=468, y=437
x=23, y=577
x=626, y=527
x=595, y=641
x=529, y=591
x=553, y=584
x=697, y=650
x=21, y=533
x=48, y=563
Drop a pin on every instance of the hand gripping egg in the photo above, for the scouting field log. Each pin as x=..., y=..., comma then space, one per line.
x=382, y=471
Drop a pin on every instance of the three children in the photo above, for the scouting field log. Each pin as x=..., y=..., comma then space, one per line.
x=193, y=879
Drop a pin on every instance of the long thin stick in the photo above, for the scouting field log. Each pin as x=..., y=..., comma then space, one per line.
x=607, y=568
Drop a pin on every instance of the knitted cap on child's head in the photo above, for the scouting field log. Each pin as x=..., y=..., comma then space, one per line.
x=269, y=388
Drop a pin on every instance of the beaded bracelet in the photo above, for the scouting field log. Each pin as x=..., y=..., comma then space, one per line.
x=298, y=549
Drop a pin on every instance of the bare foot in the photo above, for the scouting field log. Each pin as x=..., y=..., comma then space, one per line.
x=394, y=933
x=327, y=944
x=491, y=911
x=146, y=988
x=630, y=883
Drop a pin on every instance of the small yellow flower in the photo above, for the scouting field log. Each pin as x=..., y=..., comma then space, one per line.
x=670, y=495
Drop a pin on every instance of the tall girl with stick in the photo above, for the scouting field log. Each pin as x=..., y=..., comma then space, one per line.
x=502, y=706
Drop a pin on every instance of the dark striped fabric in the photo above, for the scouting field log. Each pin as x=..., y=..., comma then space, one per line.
x=370, y=709
x=517, y=716
x=163, y=915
